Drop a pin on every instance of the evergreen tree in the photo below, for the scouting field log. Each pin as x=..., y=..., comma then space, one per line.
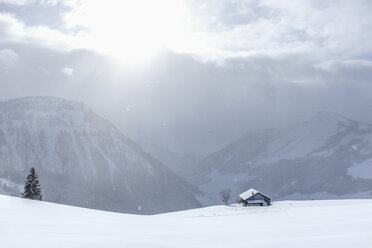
x=32, y=188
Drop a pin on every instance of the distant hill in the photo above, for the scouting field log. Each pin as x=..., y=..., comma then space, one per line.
x=183, y=164
x=328, y=156
x=83, y=160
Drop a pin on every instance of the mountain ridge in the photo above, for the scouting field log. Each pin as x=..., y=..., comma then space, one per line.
x=84, y=160
x=309, y=159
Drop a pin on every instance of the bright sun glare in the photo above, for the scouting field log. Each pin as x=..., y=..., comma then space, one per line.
x=131, y=30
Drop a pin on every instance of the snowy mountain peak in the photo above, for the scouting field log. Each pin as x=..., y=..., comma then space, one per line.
x=331, y=117
x=44, y=102
x=326, y=120
x=51, y=111
x=83, y=159
x=328, y=156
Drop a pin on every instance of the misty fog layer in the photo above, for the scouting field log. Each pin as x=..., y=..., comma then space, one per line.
x=179, y=102
x=236, y=66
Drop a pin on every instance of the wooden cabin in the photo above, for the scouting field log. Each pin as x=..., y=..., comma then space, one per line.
x=252, y=197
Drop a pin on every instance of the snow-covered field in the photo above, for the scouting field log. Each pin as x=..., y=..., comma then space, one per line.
x=337, y=223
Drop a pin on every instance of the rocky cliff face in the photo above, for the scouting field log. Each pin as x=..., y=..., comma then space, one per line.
x=83, y=160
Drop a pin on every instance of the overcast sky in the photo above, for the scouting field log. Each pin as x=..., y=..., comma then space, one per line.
x=192, y=75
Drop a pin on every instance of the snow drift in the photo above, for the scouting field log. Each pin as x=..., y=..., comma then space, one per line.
x=291, y=224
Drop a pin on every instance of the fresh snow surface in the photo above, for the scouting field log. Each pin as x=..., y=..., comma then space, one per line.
x=337, y=223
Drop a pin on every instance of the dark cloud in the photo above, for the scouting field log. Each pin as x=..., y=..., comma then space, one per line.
x=180, y=102
x=287, y=62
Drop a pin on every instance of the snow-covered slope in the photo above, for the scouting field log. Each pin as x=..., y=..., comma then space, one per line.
x=82, y=159
x=328, y=156
x=340, y=223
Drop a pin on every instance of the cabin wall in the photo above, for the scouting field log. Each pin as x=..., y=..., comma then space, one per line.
x=256, y=204
x=258, y=197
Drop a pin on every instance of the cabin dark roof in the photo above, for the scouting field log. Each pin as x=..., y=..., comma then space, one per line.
x=249, y=193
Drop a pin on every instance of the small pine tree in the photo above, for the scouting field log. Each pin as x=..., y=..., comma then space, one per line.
x=32, y=188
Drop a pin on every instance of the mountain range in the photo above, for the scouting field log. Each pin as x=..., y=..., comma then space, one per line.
x=83, y=160
x=327, y=157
